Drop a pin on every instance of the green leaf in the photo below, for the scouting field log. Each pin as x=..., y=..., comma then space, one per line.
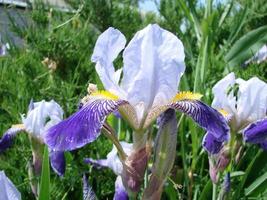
x=259, y=182
x=246, y=46
x=206, y=192
x=45, y=177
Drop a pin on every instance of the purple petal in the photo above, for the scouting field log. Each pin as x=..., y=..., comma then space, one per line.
x=58, y=162
x=96, y=163
x=88, y=193
x=82, y=127
x=256, y=132
x=206, y=117
x=7, y=139
x=120, y=192
x=211, y=145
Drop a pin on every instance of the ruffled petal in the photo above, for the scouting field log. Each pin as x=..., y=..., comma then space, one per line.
x=57, y=160
x=40, y=114
x=153, y=66
x=82, y=127
x=120, y=191
x=7, y=139
x=223, y=95
x=256, y=132
x=252, y=100
x=7, y=189
x=211, y=145
x=206, y=117
x=108, y=45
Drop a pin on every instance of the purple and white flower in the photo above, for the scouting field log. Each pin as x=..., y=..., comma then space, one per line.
x=41, y=116
x=244, y=101
x=153, y=63
x=8, y=191
x=153, y=66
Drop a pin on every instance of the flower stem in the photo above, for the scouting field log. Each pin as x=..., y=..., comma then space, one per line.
x=214, y=191
x=110, y=134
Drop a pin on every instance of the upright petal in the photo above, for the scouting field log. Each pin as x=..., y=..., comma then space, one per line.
x=256, y=132
x=58, y=162
x=7, y=139
x=153, y=65
x=223, y=95
x=7, y=189
x=41, y=114
x=108, y=45
x=252, y=100
x=82, y=127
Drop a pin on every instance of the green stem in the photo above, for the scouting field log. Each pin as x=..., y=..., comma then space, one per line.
x=214, y=191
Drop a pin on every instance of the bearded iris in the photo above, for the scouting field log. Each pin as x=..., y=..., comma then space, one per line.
x=244, y=104
x=153, y=63
x=41, y=115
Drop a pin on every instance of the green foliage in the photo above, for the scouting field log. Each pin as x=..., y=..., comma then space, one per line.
x=44, y=193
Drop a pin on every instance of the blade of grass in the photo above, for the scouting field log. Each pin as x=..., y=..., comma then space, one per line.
x=44, y=193
x=259, y=182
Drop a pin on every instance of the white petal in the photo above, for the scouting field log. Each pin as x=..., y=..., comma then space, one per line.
x=252, y=100
x=108, y=45
x=42, y=116
x=153, y=66
x=7, y=189
x=223, y=99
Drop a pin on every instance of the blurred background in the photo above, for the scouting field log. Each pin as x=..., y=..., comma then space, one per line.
x=45, y=54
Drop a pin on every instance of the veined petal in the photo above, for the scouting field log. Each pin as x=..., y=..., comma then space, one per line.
x=120, y=191
x=7, y=189
x=7, y=139
x=256, y=132
x=153, y=65
x=58, y=162
x=82, y=127
x=108, y=45
x=211, y=144
x=206, y=117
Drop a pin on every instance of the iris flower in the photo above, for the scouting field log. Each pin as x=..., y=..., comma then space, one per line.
x=146, y=86
x=244, y=104
x=7, y=189
x=41, y=115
